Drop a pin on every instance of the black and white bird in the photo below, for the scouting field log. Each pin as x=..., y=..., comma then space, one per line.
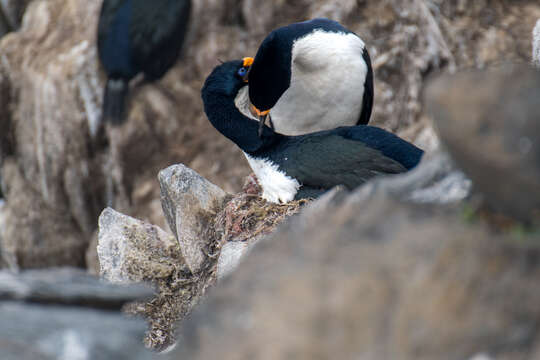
x=293, y=167
x=311, y=76
x=138, y=36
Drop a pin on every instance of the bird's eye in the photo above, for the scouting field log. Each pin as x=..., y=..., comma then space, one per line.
x=242, y=72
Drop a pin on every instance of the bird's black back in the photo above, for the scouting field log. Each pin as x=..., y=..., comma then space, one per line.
x=158, y=31
x=141, y=36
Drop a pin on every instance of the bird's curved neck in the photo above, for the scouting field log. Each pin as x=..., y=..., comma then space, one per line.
x=228, y=120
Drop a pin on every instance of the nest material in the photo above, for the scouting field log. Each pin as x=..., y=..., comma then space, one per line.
x=244, y=217
x=247, y=216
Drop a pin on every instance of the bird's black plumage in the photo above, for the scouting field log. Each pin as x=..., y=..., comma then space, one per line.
x=138, y=36
x=270, y=74
x=343, y=156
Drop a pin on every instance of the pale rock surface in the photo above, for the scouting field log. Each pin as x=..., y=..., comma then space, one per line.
x=130, y=250
x=536, y=44
x=230, y=257
x=189, y=202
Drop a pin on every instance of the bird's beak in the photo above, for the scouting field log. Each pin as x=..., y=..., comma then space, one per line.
x=263, y=116
x=248, y=61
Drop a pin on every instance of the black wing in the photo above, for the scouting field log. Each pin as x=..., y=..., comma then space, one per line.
x=106, y=18
x=157, y=33
x=329, y=160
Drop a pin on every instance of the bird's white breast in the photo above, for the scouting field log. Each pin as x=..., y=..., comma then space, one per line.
x=277, y=186
x=328, y=74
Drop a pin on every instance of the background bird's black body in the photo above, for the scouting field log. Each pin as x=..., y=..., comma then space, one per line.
x=270, y=74
x=343, y=156
x=138, y=36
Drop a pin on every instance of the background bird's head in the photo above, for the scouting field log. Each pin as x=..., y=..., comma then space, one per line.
x=270, y=74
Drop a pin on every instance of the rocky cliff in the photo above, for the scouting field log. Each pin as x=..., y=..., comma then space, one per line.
x=53, y=158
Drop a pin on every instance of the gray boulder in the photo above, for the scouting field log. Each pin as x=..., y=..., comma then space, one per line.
x=130, y=250
x=373, y=278
x=494, y=136
x=66, y=314
x=68, y=286
x=189, y=203
x=37, y=332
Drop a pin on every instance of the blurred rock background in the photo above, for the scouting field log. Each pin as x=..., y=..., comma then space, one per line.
x=52, y=160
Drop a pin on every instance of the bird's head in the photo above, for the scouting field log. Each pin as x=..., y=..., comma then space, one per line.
x=228, y=78
x=219, y=93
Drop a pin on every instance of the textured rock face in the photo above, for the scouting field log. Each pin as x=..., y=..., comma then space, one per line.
x=33, y=235
x=378, y=279
x=11, y=12
x=66, y=314
x=130, y=250
x=68, y=286
x=189, y=203
x=494, y=136
x=536, y=44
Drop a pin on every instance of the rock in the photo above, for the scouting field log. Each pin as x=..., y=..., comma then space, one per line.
x=493, y=136
x=536, y=44
x=91, y=256
x=67, y=286
x=33, y=235
x=11, y=12
x=30, y=331
x=229, y=258
x=373, y=278
x=434, y=181
x=130, y=250
x=67, y=314
x=189, y=202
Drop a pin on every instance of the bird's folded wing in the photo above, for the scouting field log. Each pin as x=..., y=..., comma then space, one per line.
x=333, y=160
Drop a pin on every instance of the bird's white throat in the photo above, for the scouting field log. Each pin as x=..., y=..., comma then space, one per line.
x=242, y=103
x=277, y=186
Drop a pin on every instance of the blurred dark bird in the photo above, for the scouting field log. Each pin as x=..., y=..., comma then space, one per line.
x=294, y=167
x=138, y=36
x=310, y=76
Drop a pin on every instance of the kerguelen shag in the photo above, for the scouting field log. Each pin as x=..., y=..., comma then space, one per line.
x=294, y=167
x=311, y=76
x=138, y=36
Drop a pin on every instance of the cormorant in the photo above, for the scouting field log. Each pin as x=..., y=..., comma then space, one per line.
x=310, y=76
x=138, y=36
x=293, y=167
